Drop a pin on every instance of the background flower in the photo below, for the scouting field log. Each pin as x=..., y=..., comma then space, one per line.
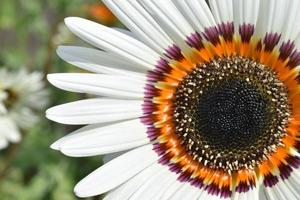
x=23, y=96
x=29, y=33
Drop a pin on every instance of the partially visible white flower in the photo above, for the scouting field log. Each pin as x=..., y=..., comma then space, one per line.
x=63, y=35
x=22, y=94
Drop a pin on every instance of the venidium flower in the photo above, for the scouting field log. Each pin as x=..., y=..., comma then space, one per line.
x=206, y=95
x=22, y=94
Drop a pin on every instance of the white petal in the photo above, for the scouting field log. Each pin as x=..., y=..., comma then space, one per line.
x=116, y=172
x=271, y=17
x=126, y=190
x=286, y=191
x=245, y=11
x=97, y=140
x=108, y=157
x=154, y=187
x=262, y=193
x=93, y=111
x=252, y=194
x=222, y=10
x=138, y=20
x=170, y=19
x=56, y=144
x=172, y=189
x=99, y=61
x=125, y=31
x=3, y=109
x=113, y=41
x=291, y=27
x=279, y=192
x=98, y=84
x=205, y=196
x=9, y=130
x=3, y=143
x=197, y=12
x=293, y=182
x=187, y=191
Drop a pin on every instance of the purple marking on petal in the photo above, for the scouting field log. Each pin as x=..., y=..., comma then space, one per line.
x=162, y=66
x=174, y=168
x=294, y=59
x=197, y=183
x=212, y=189
x=243, y=187
x=293, y=161
x=212, y=35
x=146, y=120
x=183, y=177
x=270, y=180
x=246, y=31
x=285, y=171
x=286, y=49
x=159, y=150
x=297, y=145
x=195, y=40
x=149, y=90
x=163, y=160
x=225, y=193
x=174, y=52
x=226, y=30
x=271, y=40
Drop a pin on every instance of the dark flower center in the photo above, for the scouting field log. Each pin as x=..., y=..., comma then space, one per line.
x=231, y=113
x=12, y=97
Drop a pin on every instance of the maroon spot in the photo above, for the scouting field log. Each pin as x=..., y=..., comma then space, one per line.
x=174, y=168
x=246, y=31
x=197, y=183
x=294, y=59
x=150, y=90
x=164, y=159
x=195, y=40
x=293, y=161
x=271, y=40
x=226, y=30
x=225, y=193
x=270, y=180
x=213, y=189
x=174, y=52
x=259, y=46
x=162, y=66
x=243, y=187
x=159, y=149
x=184, y=177
x=286, y=49
x=146, y=120
x=285, y=171
x=212, y=35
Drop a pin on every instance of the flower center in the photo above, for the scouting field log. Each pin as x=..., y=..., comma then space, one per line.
x=12, y=97
x=231, y=112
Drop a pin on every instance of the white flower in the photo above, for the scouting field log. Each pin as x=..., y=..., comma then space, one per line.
x=21, y=95
x=204, y=99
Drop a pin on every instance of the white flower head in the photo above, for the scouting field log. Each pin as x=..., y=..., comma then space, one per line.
x=22, y=95
x=204, y=100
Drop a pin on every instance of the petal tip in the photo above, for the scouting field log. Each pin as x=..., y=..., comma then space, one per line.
x=55, y=145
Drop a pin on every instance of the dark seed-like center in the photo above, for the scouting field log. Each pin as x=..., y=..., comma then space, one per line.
x=12, y=97
x=231, y=113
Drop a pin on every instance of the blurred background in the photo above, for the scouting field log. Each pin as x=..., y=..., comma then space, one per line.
x=30, y=31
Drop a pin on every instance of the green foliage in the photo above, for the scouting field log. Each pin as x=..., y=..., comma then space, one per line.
x=28, y=39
